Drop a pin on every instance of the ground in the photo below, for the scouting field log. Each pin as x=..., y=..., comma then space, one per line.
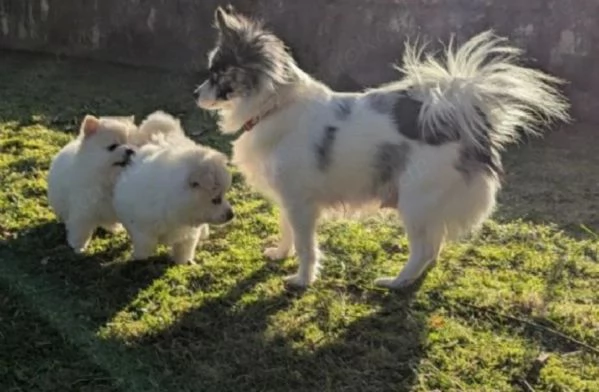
x=515, y=307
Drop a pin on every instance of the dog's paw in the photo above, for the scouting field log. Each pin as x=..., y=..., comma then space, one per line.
x=297, y=281
x=276, y=253
x=114, y=229
x=78, y=250
x=77, y=247
x=184, y=261
x=139, y=255
x=393, y=283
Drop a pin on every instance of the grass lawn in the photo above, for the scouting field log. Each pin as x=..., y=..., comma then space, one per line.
x=515, y=307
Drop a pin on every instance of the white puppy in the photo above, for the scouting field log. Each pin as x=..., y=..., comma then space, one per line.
x=427, y=145
x=82, y=177
x=171, y=191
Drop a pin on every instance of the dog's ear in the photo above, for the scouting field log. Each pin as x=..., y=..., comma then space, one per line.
x=209, y=175
x=90, y=125
x=229, y=9
x=225, y=20
x=204, y=179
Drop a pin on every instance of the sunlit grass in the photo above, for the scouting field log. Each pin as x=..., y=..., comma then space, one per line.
x=478, y=322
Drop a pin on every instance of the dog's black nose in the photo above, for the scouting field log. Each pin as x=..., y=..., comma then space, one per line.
x=196, y=94
x=230, y=215
x=129, y=151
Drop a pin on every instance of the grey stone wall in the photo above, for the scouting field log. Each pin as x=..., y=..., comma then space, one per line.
x=347, y=43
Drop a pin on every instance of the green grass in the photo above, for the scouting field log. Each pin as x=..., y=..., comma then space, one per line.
x=99, y=322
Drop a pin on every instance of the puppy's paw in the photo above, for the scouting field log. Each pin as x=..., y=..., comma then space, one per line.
x=184, y=261
x=114, y=228
x=394, y=283
x=276, y=253
x=298, y=281
x=77, y=246
x=78, y=250
x=141, y=255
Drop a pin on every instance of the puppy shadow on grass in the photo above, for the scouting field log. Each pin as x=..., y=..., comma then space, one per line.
x=103, y=282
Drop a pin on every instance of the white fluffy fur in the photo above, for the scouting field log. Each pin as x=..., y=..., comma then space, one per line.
x=167, y=194
x=82, y=176
x=434, y=199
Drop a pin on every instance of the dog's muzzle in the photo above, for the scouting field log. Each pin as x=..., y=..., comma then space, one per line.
x=127, y=159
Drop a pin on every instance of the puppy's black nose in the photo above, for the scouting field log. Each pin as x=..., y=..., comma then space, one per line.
x=196, y=94
x=129, y=151
x=230, y=215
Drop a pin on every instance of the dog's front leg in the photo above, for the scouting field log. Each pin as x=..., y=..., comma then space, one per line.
x=285, y=246
x=183, y=252
x=144, y=244
x=79, y=233
x=303, y=223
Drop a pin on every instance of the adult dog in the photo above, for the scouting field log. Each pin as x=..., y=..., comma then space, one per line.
x=427, y=144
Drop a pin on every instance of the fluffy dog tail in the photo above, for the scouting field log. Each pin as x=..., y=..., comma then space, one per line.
x=160, y=128
x=479, y=94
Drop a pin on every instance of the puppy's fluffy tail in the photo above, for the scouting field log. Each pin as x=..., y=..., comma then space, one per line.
x=479, y=94
x=160, y=128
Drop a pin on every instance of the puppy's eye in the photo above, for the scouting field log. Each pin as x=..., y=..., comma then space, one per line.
x=112, y=147
x=217, y=200
x=195, y=184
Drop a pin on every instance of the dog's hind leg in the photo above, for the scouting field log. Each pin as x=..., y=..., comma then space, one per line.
x=425, y=246
x=285, y=246
x=303, y=222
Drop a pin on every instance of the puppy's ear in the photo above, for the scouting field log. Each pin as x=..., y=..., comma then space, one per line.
x=209, y=175
x=205, y=179
x=90, y=125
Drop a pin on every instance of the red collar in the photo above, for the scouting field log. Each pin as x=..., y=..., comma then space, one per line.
x=252, y=122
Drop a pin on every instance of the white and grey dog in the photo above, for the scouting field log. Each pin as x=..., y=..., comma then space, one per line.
x=427, y=145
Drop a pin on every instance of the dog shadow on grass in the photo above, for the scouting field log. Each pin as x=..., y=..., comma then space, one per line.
x=237, y=341
x=101, y=282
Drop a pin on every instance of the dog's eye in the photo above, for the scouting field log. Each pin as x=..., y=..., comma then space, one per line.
x=224, y=92
x=195, y=184
x=112, y=147
x=217, y=200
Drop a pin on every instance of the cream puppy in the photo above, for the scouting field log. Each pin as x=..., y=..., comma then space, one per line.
x=172, y=190
x=82, y=177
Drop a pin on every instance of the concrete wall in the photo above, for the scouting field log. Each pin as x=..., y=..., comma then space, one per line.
x=347, y=43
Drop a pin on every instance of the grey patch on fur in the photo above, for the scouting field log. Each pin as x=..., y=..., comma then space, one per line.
x=247, y=57
x=405, y=111
x=382, y=102
x=344, y=106
x=474, y=160
x=482, y=158
x=324, y=149
x=390, y=161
